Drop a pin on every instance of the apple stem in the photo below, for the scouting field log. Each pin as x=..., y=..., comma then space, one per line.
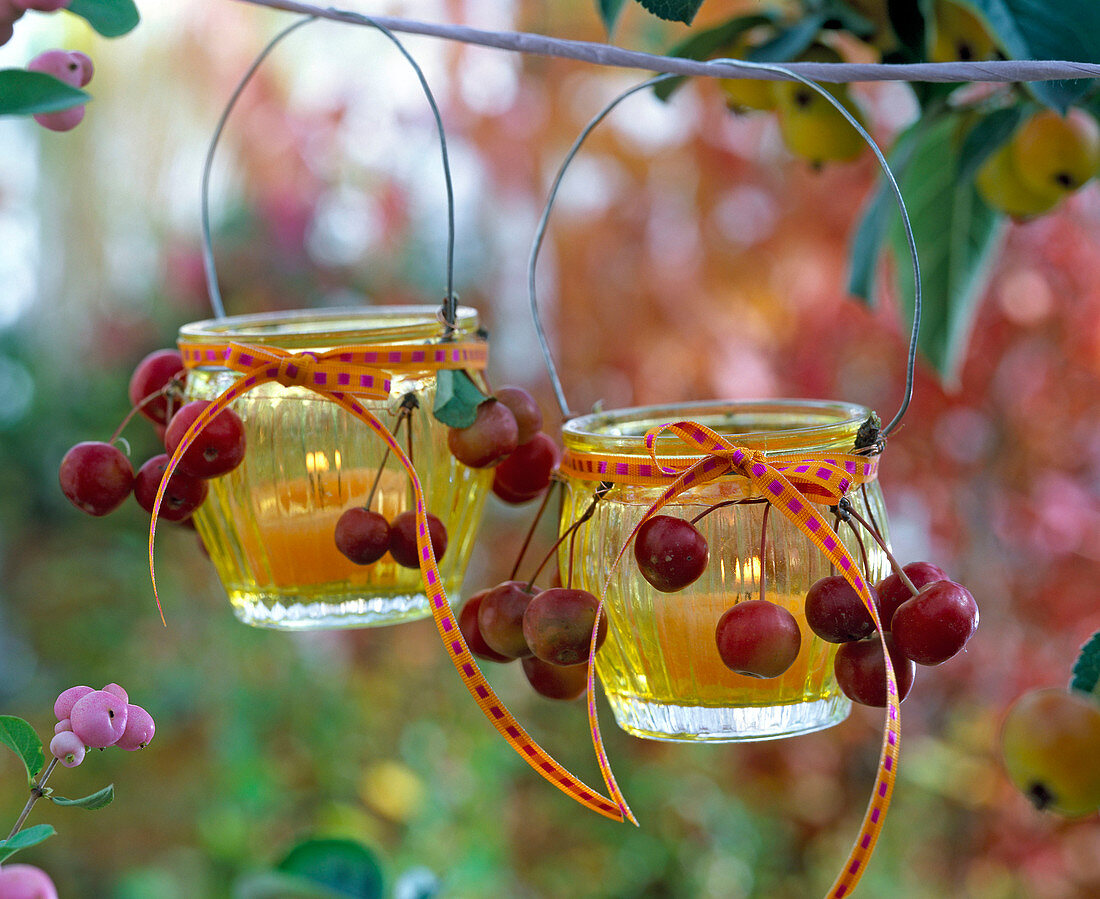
x=600, y=493
x=37, y=792
x=167, y=391
x=403, y=414
x=845, y=510
x=728, y=502
x=531, y=532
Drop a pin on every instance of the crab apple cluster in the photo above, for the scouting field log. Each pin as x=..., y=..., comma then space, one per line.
x=97, y=477
x=96, y=719
x=364, y=537
x=927, y=619
x=550, y=631
x=507, y=435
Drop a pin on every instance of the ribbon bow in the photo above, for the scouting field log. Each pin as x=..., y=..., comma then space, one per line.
x=793, y=484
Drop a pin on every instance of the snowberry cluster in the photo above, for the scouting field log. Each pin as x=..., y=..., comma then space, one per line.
x=96, y=719
x=97, y=477
x=548, y=630
x=71, y=67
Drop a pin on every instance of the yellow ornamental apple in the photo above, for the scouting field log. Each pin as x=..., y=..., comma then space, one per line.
x=1001, y=187
x=745, y=94
x=813, y=129
x=1050, y=741
x=1052, y=152
x=956, y=33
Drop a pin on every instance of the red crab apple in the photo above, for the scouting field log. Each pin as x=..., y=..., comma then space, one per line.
x=861, y=671
x=758, y=638
x=492, y=436
x=96, y=477
x=936, y=623
x=670, y=552
x=219, y=447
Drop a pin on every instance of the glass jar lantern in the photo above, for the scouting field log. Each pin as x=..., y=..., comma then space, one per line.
x=660, y=666
x=269, y=524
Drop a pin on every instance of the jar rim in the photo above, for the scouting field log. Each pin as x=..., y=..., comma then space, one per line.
x=764, y=424
x=339, y=325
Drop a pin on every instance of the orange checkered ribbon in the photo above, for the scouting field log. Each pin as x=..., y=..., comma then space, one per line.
x=793, y=484
x=342, y=376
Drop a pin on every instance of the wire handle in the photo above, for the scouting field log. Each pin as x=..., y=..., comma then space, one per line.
x=540, y=229
x=450, y=301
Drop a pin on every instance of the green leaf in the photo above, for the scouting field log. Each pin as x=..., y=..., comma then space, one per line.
x=877, y=215
x=673, y=10
x=708, y=44
x=345, y=866
x=275, y=885
x=111, y=18
x=908, y=23
x=986, y=137
x=20, y=737
x=1086, y=670
x=789, y=43
x=609, y=12
x=97, y=800
x=27, y=93
x=957, y=237
x=456, y=398
x=1040, y=29
x=839, y=13
x=32, y=836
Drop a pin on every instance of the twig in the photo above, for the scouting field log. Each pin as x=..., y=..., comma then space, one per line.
x=998, y=70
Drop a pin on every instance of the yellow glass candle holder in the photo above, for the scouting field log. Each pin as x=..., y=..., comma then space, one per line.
x=660, y=666
x=269, y=524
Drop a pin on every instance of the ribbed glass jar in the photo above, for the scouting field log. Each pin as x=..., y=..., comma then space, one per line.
x=269, y=524
x=660, y=666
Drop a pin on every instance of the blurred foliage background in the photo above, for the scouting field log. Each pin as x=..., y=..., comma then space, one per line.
x=689, y=257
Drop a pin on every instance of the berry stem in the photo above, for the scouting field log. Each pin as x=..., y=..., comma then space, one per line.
x=531, y=533
x=847, y=510
x=763, y=549
x=165, y=391
x=402, y=414
x=723, y=504
x=600, y=493
x=37, y=792
x=862, y=550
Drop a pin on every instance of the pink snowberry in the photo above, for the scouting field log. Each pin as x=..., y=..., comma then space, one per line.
x=62, y=725
x=63, y=706
x=139, y=729
x=99, y=719
x=73, y=68
x=118, y=691
x=26, y=882
x=67, y=748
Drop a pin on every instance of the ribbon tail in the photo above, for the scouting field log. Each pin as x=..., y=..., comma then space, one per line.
x=773, y=485
x=221, y=402
x=447, y=625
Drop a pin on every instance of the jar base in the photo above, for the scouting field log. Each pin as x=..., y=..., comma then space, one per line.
x=291, y=612
x=706, y=724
